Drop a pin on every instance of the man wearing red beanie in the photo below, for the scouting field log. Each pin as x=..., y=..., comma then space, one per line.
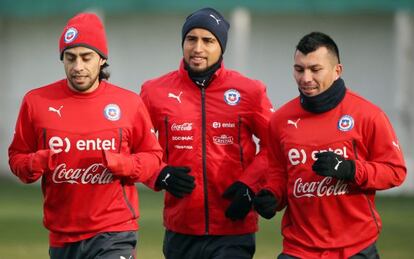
x=90, y=142
x=206, y=116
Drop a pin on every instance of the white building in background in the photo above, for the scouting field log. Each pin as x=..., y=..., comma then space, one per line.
x=376, y=50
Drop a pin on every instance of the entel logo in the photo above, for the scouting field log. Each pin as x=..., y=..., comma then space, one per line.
x=297, y=156
x=218, y=125
x=57, y=144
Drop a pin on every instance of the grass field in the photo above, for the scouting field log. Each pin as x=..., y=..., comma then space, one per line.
x=22, y=235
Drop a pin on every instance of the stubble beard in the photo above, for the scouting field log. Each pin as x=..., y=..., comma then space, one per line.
x=81, y=88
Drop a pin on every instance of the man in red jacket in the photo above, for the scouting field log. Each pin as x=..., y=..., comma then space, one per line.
x=330, y=151
x=89, y=141
x=206, y=116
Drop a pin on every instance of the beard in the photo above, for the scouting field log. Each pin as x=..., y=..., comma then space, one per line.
x=83, y=87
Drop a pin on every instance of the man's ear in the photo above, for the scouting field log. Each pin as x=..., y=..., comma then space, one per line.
x=338, y=70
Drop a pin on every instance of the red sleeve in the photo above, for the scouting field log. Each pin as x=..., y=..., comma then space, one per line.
x=145, y=98
x=140, y=156
x=276, y=179
x=23, y=146
x=384, y=167
x=254, y=174
x=146, y=151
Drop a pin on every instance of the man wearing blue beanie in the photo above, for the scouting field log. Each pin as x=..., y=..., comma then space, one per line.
x=206, y=116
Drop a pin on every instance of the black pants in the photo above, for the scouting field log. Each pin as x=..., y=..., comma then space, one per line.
x=109, y=245
x=370, y=252
x=179, y=246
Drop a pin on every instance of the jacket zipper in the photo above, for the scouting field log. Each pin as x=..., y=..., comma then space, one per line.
x=372, y=212
x=127, y=201
x=122, y=182
x=355, y=148
x=368, y=201
x=239, y=141
x=203, y=139
x=44, y=147
x=166, y=138
x=120, y=139
x=44, y=139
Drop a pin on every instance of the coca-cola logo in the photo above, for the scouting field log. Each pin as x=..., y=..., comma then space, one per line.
x=322, y=188
x=94, y=174
x=299, y=156
x=186, y=126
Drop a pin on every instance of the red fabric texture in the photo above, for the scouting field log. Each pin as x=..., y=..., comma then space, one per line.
x=236, y=108
x=82, y=196
x=84, y=29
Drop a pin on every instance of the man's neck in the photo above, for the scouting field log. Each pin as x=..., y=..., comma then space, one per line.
x=203, y=78
x=89, y=90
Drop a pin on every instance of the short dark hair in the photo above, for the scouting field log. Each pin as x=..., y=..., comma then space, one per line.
x=104, y=73
x=315, y=40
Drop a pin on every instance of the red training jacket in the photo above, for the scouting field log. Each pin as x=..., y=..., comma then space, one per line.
x=81, y=196
x=326, y=217
x=210, y=130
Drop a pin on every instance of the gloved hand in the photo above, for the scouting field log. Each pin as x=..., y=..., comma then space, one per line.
x=176, y=180
x=331, y=164
x=40, y=162
x=265, y=204
x=241, y=196
x=119, y=164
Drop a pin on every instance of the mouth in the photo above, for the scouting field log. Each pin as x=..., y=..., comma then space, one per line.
x=79, y=78
x=309, y=90
x=197, y=59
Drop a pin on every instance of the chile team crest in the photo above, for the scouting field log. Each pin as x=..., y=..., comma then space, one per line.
x=70, y=35
x=112, y=112
x=346, y=123
x=232, y=97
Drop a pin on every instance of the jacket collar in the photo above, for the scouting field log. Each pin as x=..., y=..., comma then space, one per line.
x=217, y=76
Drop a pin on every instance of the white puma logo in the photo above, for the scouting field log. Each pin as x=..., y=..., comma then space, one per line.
x=248, y=195
x=294, y=123
x=165, y=179
x=201, y=83
x=337, y=165
x=51, y=109
x=396, y=145
x=122, y=257
x=178, y=97
x=217, y=20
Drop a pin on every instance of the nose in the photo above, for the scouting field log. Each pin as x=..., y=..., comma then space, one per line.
x=198, y=46
x=78, y=65
x=307, y=76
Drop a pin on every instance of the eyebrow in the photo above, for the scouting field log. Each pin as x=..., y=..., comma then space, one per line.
x=311, y=66
x=83, y=54
x=203, y=37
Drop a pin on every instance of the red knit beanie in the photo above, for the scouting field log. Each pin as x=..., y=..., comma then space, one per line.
x=87, y=30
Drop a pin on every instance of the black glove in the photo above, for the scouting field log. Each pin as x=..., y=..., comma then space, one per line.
x=265, y=204
x=331, y=164
x=241, y=203
x=176, y=180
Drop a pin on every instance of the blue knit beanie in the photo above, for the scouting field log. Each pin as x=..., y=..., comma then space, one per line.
x=211, y=20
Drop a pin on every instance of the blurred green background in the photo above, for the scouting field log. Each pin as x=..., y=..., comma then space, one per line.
x=23, y=236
